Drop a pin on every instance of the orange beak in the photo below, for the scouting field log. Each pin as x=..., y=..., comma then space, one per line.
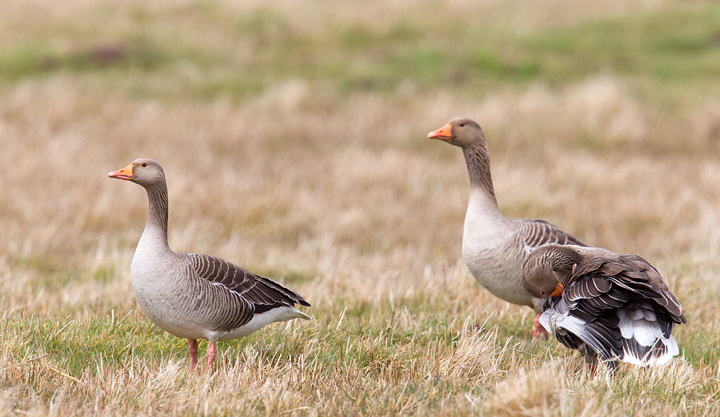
x=558, y=290
x=444, y=133
x=123, y=174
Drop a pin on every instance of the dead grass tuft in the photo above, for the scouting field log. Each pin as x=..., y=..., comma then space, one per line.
x=551, y=390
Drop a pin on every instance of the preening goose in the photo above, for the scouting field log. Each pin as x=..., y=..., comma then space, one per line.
x=494, y=247
x=607, y=305
x=197, y=296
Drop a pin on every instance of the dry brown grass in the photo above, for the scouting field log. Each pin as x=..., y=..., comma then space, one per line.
x=339, y=195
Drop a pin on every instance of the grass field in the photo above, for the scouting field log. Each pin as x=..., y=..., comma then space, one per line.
x=292, y=134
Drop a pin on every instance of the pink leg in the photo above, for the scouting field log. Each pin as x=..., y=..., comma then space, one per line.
x=537, y=330
x=211, y=351
x=192, y=349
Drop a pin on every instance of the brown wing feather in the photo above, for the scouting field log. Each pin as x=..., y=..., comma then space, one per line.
x=263, y=293
x=597, y=288
x=630, y=273
x=536, y=233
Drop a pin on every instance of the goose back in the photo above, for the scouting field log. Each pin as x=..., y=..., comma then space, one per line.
x=619, y=306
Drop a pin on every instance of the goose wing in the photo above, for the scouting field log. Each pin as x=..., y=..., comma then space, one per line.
x=573, y=331
x=535, y=233
x=263, y=293
x=605, y=282
x=623, y=307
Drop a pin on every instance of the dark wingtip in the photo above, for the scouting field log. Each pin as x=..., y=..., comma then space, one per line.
x=303, y=303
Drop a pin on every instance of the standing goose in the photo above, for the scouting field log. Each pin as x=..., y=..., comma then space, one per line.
x=494, y=247
x=197, y=296
x=607, y=305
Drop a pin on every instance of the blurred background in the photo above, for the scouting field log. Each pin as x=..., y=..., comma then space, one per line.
x=293, y=137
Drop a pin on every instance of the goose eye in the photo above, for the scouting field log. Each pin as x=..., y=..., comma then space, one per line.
x=461, y=124
x=143, y=164
x=542, y=293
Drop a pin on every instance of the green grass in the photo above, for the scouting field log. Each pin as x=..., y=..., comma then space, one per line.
x=377, y=361
x=675, y=45
x=678, y=46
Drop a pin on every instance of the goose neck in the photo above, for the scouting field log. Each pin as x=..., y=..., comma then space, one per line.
x=157, y=222
x=478, y=164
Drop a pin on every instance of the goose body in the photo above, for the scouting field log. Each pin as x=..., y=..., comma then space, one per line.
x=209, y=309
x=611, y=306
x=494, y=247
x=197, y=296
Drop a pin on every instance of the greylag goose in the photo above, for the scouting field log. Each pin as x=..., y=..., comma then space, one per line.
x=604, y=304
x=197, y=296
x=494, y=247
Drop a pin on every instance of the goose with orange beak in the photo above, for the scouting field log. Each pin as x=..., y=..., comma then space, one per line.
x=615, y=307
x=196, y=296
x=494, y=247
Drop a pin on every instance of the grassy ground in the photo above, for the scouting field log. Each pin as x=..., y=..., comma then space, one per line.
x=293, y=138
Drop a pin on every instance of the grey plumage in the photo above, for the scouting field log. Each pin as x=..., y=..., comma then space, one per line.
x=494, y=247
x=194, y=295
x=617, y=304
x=256, y=294
x=536, y=233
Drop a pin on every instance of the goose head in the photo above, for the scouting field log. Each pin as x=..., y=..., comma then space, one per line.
x=145, y=172
x=546, y=268
x=459, y=132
